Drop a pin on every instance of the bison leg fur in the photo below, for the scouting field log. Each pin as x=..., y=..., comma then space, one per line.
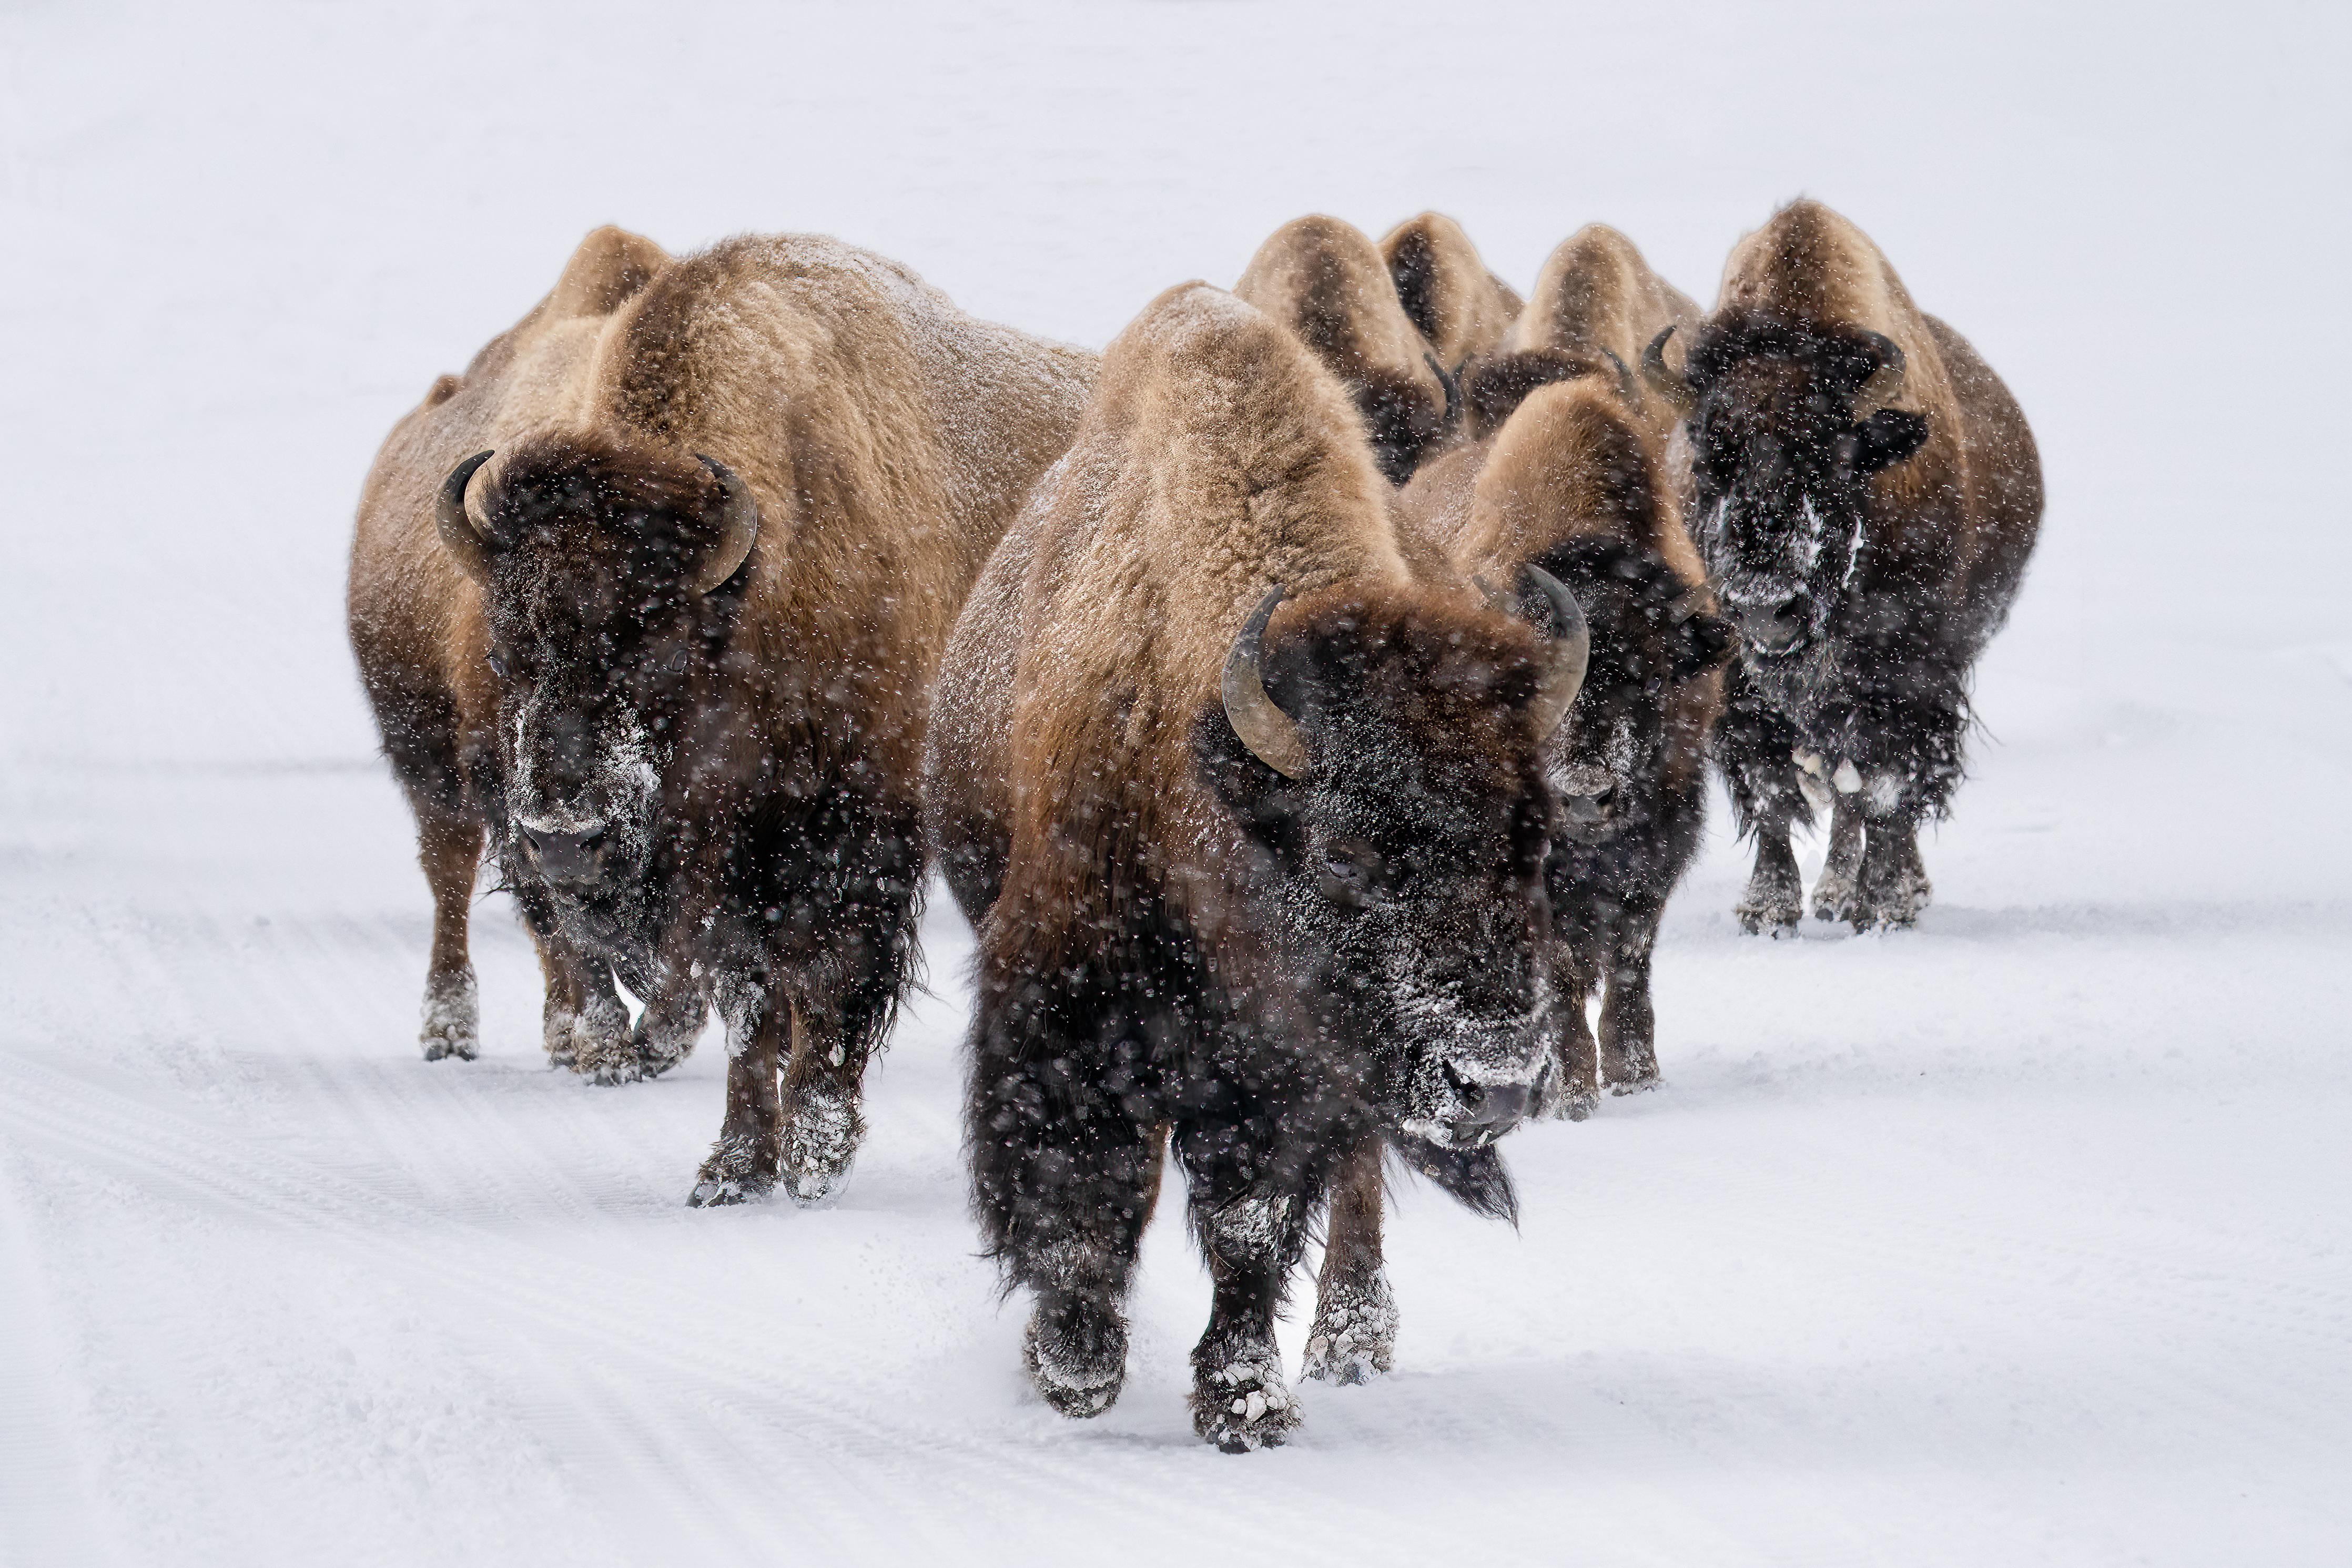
x=1836, y=896
x=1354, y=1336
x=824, y=1122
x=1894, y=886
x=450, y=849
x=1774, y=899
x=1580, y=1059
x=743, y=1164
x=1253, y=1240
x=1629, y=1047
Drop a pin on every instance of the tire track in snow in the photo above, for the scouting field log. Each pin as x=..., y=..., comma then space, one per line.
x=1106, y=1488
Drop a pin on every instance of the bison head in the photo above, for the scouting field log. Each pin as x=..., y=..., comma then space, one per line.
x=1385, y=760
x=1787, y=426
x=606, y=580
x=1651, y=635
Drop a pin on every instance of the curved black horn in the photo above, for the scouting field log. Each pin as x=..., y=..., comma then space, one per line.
x=739, y=527
x=1572, y=651
x=1271, y=734
x=1662, y=378
x=1885, y=382
x=459, y=534
x=1627, y=387
x=1452, y=385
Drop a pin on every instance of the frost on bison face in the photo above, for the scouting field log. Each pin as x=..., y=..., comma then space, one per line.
x=1402, y=871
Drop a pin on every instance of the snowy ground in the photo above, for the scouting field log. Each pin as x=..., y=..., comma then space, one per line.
x=2022, y=1238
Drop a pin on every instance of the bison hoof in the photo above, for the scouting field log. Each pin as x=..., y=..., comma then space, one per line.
x=1076, y=1356
x=657, y=1054
x=1894, y=905
x=736, y=1171
x=1837, y=898
x=452, y=1020
x=1354, y=1337
x=820, y=1136
x=1576, y=1102
x=1240, y=1402
x=1636, y=1083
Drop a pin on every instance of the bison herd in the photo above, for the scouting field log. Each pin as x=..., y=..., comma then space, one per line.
x=1308, y=701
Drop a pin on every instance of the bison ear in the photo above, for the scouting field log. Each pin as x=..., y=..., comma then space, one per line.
x=1700, y=643
x=1886, y=438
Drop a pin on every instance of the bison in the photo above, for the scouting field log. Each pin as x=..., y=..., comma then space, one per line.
x=650, y=600
x=1572, y=482
x=1323, y=279
x=1865, y=493
x=1251, y=816
x=1462, y=309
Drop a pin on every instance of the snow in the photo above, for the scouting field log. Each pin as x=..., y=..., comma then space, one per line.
x=2022, y=1237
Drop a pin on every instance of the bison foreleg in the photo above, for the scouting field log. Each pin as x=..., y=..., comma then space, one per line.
x=1354, y=1336
x=1253, y=1240
x=1836, y=894
x=450, y=849
x=1894, y=886
x=824, y=1124
x=743, y=1164
x=1629, y=1029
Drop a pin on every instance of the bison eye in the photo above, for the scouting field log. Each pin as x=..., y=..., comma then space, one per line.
x=1344, y=871
x=498, y=663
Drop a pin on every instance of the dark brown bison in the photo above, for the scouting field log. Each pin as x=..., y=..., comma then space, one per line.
x=1865, y=495
x=1326, y=282
x=651, y=599
x=1251, y=817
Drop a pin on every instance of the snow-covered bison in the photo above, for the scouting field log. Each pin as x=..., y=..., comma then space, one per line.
x=1252, y=817
x=1325, y=280
x=652, y=597
x=1865, y=495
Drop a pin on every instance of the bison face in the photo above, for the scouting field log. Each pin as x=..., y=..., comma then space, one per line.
x=1650, y=637
x=1783, y=450
x=601, y=632
x=1399, y=873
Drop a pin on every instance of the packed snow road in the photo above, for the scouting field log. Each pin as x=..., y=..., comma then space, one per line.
x=2024, y=1238
x=2017, y=1238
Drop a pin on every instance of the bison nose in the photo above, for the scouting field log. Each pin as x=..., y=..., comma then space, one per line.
x=1591, y=810
x=1775, y=628
x=567, y=860
x=1497, y=1105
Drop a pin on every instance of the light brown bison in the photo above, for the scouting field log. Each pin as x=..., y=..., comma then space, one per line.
x=1462, y=310
x=1251, y=817
x=1865, y=495
x=651, y=599
x=1326, y=282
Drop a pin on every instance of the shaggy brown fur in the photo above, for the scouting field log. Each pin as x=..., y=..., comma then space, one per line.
x=1868, y=553
x=1596, y=306
x=1167, y=926
x=1323, y=279
x=774, y=724
x=1462, y=309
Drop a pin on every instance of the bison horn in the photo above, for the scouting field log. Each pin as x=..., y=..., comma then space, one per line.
x=1663, y=378
x=1627, y=388
x=1572, y=650
x=1271, y=734
x=1885, y=382
x=459, y=534
x=738, y=527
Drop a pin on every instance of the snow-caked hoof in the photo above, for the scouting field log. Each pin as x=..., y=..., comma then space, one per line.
x=821, y=1135
x=1637, y=1084
x=1574, y=1103
x=736, y=1171
x=1240, y=1404
x=1836, y=897
x=1892, y=903
x=658, y=1053
x=601, y=1048
x=1768, y=919
x=1354, y=1337
x=452, y=1020
x=1077, y=1357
